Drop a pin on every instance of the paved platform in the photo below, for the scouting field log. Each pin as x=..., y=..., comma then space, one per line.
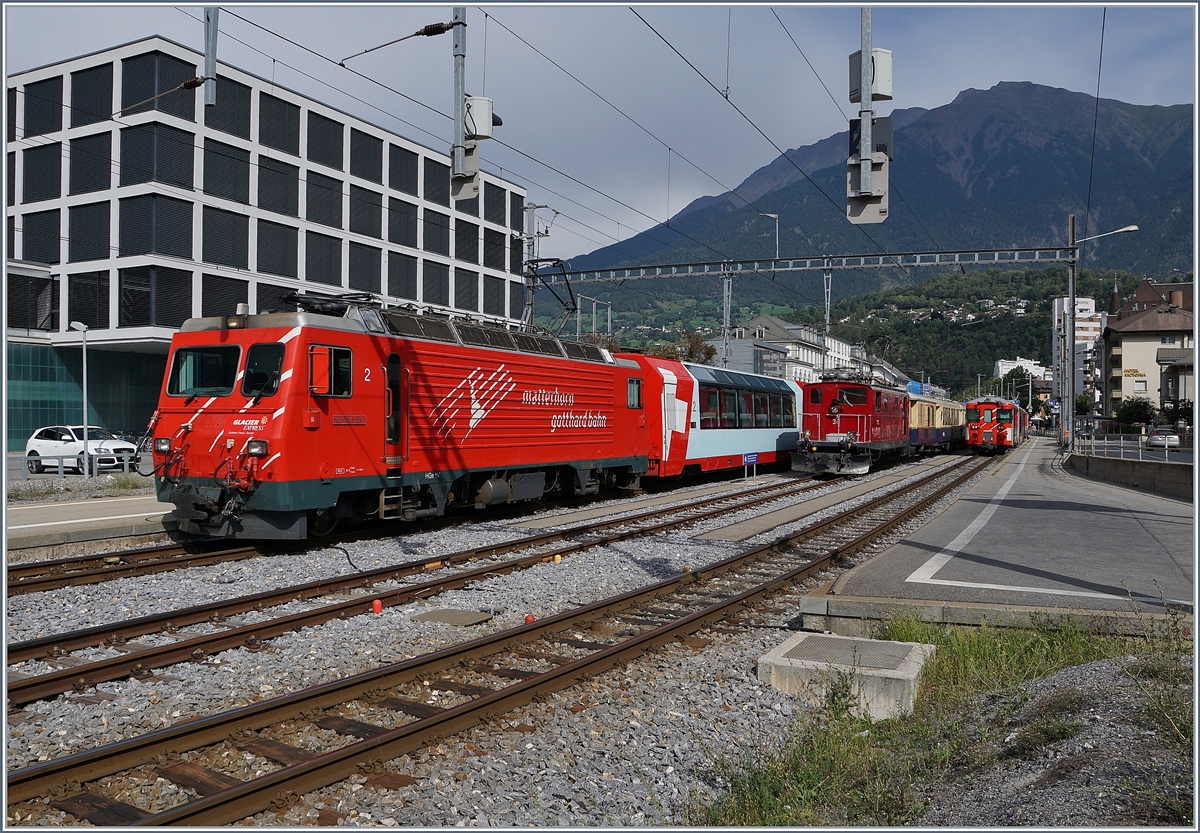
x=1030, y=537
x=77, y=526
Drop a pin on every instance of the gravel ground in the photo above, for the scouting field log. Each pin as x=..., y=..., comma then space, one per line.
x=640, y=745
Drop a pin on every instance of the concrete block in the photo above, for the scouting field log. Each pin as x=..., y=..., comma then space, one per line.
x=883, y=676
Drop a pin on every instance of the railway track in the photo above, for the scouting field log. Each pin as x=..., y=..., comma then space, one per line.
x=41, y=576
x=139, y=660
x=381, y=715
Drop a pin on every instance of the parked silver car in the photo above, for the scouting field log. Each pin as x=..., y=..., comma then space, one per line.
x=1163, y=438
x=66, y=441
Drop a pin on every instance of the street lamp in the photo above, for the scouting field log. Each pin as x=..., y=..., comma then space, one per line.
x=87, y=460
x=1073, y=244
x=774, y=217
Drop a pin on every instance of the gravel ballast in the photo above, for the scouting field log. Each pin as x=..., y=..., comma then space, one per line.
x=639, y=745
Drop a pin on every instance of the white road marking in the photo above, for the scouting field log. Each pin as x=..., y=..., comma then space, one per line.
x=25, y=506
x=86, y=520
x=924, y=573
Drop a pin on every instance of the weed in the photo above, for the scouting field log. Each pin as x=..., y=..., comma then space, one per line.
x=838, y=768
x=127, y=481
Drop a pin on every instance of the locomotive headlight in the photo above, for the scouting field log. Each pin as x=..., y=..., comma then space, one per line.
x=257, y=448
x=162, y=445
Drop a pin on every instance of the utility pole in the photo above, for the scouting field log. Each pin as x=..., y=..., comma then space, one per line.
x=530, y=255
x=728, y=297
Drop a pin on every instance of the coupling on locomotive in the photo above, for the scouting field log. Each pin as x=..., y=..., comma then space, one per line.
x=283, y=425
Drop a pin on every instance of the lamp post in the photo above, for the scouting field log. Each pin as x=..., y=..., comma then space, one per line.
x=774, y=217
x=87, y=460
x=1069, y=390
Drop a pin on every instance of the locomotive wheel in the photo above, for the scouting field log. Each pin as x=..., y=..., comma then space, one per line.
x=322, y=522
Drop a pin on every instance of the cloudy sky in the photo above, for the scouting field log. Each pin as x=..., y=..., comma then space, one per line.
x=615, y=116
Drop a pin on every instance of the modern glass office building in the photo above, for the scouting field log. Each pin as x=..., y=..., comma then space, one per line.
x=132, y=206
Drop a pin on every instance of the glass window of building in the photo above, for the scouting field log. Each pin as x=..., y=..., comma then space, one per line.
x=231, y=113
x=366, y=156
x=403, y=172
x=91, y=163
x=153, y=296
x=11, y=114
x=278, y=246
x=91, y=95
x=87, y=299
x=436, y=283
x=325, y=141
x=220, y=295
x=41, y=234
x=322, y=259
x=226, y=171
x=466, y=241
x=88, y=230
x=278, y=124
x=402, y=222
x=493, y=295
x=11, y=179
x=470, y=206
x=466, y=290
x=366, y=265
x=516, y=299
x=159, y=153
x=437, y=182
x=150, y=82
x=324, y=200
x=516, y=211
x=32, y=303
x=493, y=249
x=155, y=223
x=270, y=298
x=366, y=211
x=43, y=106
x=278, y=186
x=436, y=231
x=494, y=208
x=226, y=238
x=42, y=169
x=402, y=276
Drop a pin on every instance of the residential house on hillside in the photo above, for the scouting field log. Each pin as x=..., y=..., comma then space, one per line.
x=1148, y=348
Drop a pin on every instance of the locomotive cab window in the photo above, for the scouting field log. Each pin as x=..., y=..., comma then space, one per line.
x=264, y=367
x=853, y=396
x=199, y=371
x=329, y=371
x=814, y=396
x=1005, y=416
x=634, y=391
x=972, y=415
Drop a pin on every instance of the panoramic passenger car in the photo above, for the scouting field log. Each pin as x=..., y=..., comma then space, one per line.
x=66, y=441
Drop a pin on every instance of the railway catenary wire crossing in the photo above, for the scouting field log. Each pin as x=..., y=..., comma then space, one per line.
x=524, y=662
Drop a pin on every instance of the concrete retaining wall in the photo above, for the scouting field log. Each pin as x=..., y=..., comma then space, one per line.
x=1174, y=479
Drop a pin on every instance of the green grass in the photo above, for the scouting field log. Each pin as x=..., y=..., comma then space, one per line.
x=841, y=769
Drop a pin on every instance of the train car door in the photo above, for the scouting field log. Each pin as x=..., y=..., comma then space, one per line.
x=395, y=419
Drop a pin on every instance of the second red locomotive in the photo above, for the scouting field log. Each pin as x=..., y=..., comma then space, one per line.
x=995, y=425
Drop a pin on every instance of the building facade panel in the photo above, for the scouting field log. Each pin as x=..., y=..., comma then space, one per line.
x=178, y=173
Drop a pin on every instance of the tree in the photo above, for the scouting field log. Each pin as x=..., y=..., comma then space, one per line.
x=1137, y=409
x=1083, y=404
x=690, y=347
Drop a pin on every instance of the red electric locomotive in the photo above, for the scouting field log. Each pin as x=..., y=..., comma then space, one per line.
x=282, y=425
x=278, y=425
x=995, y=425
x=849, y=424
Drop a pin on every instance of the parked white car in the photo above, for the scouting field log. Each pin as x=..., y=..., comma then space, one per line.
x=66, y=441
x=1163, y=438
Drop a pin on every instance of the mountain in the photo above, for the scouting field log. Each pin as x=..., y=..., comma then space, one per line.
x=995, y=168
